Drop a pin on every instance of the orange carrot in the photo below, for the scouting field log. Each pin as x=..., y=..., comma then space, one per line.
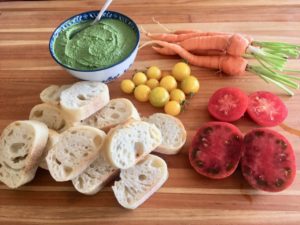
x=228, y=64
x=234, y=45
x=180, y=37
x=168, y=51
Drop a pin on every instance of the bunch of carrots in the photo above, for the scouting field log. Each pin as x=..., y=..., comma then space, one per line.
x=229, y=53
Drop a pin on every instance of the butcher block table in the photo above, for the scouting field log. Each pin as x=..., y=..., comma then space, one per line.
x=26, y=68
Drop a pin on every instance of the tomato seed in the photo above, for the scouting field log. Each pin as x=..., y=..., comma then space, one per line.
x=279, y=182
x=200, y=163
x=287, y=171
x=261, y=181
x=213, y=170
x=208, y=130
x=229, y=166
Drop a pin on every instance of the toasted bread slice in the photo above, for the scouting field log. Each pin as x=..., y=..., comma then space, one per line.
x=51, y=94
x=53, y=138
x=21, y=150
x=77, y=148
x=95, y=177
x=51, y=115
x=138, y=183
x=83, y=99
x=172, y=130
x=117, y=111
x=128, y=143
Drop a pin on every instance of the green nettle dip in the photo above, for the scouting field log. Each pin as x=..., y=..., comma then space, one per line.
x=98, y=46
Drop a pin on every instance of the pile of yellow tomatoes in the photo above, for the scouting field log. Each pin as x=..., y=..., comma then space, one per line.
x=163, y=89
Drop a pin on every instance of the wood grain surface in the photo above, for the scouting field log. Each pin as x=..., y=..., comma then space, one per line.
x=26, y=68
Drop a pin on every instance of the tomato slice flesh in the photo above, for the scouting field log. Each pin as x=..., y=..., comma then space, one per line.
x=268, y=161
x=228, y=104
x=266, y=109
x=216, y=149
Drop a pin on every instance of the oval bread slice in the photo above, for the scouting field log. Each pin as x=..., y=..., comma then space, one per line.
x=138, y=183
x=128, y=143
x=172, y=130
x=53, y=138
x=77, y=148
x=21, y=150
x=51, y=115
x=51, y=94
x=93, y=178
x=117, y=111
x=83, y=99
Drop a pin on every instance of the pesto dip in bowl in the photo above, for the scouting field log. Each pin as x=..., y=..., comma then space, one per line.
x=101, y=52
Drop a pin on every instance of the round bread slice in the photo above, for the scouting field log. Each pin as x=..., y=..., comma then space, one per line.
x=51, y=94
x=128, y=143
x=76, y=149
x=117, y=111
x=138, y=183
x=95, y=177
x=53, y=138
x=51, y=115
x=21, y=150
x=83, y=99
x=172, y=130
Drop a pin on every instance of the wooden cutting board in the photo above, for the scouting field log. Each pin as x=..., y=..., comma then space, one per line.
x=26, y=68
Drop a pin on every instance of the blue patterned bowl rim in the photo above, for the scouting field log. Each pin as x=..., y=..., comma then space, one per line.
x=91, y=15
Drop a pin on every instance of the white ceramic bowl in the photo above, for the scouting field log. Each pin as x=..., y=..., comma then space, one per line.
x=104, y=74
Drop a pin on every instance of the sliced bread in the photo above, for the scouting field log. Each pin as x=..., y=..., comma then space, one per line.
x=117, y=111
x=172, y=130
x=138, y=183
x=21, y=150
x=83, y=99
x=51, y=94
x=94, y=178
x=77, y=148
x=128, y=143
x=51, y=115
x=53, y=138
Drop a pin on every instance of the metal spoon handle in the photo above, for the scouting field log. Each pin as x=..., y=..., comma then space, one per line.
x=105, y=6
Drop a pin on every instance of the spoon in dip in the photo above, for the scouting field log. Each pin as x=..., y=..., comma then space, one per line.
x=105, y=6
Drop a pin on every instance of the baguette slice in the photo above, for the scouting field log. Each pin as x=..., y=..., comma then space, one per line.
x=117, y=111
x=172, y=130
x=128, y=143
x=138, y=183
x=53, y=138
x=95, y=177
x=77, y=148
x=51, y=94
x=51, y=115
x=83, y=99
x=21, y=150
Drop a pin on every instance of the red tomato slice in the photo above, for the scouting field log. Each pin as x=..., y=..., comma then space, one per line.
x=228, y=104
x=268, y=161
x=216, y=149
x=266, y=109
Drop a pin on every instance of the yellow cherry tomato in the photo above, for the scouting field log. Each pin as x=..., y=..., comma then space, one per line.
x=168, y=82
x=159, y=96
x=172, y=108
x=181, y=71
x=177, y=95
x=152, y=83
x=127, y=86
x=154, y=72
x=139, y=78
x=141, y=93
x=190, y=85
